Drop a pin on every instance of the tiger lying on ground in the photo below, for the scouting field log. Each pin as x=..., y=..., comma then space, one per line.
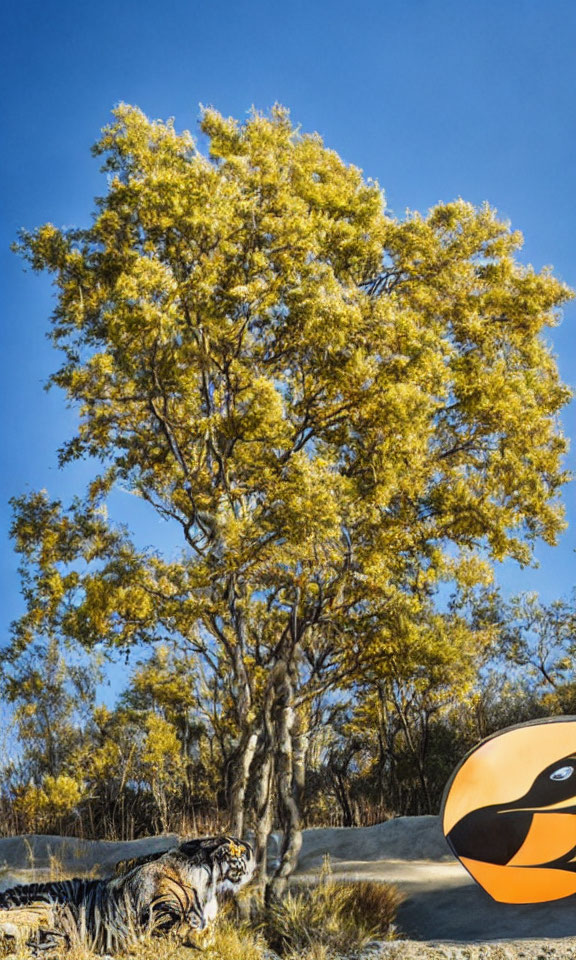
x=173, y=892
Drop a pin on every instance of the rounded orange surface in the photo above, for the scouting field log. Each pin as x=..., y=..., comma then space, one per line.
x=509, y=812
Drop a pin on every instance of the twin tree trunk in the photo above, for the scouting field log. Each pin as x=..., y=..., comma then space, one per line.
x=272, y=759
x=291, y=757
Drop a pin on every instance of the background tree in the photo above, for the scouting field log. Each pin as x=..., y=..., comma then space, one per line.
x=338, y=411
x=53, y=694
x=541, y=638
x=168, y=698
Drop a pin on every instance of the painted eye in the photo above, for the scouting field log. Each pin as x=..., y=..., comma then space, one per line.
x=562, y=773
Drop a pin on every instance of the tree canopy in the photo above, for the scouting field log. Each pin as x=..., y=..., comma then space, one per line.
x=337, y=408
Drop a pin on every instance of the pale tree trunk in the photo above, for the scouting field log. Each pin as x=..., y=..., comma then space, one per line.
x=249, y=736
x=239, y=781
x=264, y=792
x=291, y=755
x=264, y=815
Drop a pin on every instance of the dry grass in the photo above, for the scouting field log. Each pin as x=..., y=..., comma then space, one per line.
x=228, y=943
x=235, y=942
x=317, y=922
x=329, y=918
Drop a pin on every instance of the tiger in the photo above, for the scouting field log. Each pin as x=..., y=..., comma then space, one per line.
x=174, y=892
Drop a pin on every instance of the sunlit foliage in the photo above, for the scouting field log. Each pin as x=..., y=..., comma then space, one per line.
x=338, y=410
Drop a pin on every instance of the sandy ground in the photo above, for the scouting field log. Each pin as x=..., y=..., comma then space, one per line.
x=441, y=901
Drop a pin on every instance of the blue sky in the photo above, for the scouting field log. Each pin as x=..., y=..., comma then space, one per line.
x=434, y=98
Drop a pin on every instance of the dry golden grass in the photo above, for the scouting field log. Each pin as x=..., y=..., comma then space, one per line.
x=319, y=922
x=329, y=918
x=234, y=942
x=228, y=943
x=311, y=923
x=22, y=920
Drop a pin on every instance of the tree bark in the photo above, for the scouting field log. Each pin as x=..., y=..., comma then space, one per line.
x=264, y=812
x=290, y=761
x=342, y=791
x=239, y=781
x=263, y=798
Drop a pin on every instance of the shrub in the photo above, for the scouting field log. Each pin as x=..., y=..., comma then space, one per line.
x=342, y=916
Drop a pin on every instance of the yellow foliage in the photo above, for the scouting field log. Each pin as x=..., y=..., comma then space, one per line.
x=57, y=797
x=162, y=748
x=338, y=409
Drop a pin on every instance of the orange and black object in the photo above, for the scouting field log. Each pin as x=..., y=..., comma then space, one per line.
x=509, y=812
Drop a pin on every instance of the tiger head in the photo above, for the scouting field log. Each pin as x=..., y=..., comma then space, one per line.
x=232, y=859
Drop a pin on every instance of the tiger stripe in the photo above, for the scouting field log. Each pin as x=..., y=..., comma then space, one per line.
x=173, y=892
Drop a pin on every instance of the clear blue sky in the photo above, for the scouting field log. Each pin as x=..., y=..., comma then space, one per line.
x=434, y=98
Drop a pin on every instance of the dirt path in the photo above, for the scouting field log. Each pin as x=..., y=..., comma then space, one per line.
x=442, y=902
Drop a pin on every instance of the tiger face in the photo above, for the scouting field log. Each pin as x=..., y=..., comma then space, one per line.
x=232, y=859
x=236, y=863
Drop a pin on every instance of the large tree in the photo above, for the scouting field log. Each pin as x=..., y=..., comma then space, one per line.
x=336, y=408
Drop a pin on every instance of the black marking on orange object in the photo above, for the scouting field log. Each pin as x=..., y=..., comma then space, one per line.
x=521, y=847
